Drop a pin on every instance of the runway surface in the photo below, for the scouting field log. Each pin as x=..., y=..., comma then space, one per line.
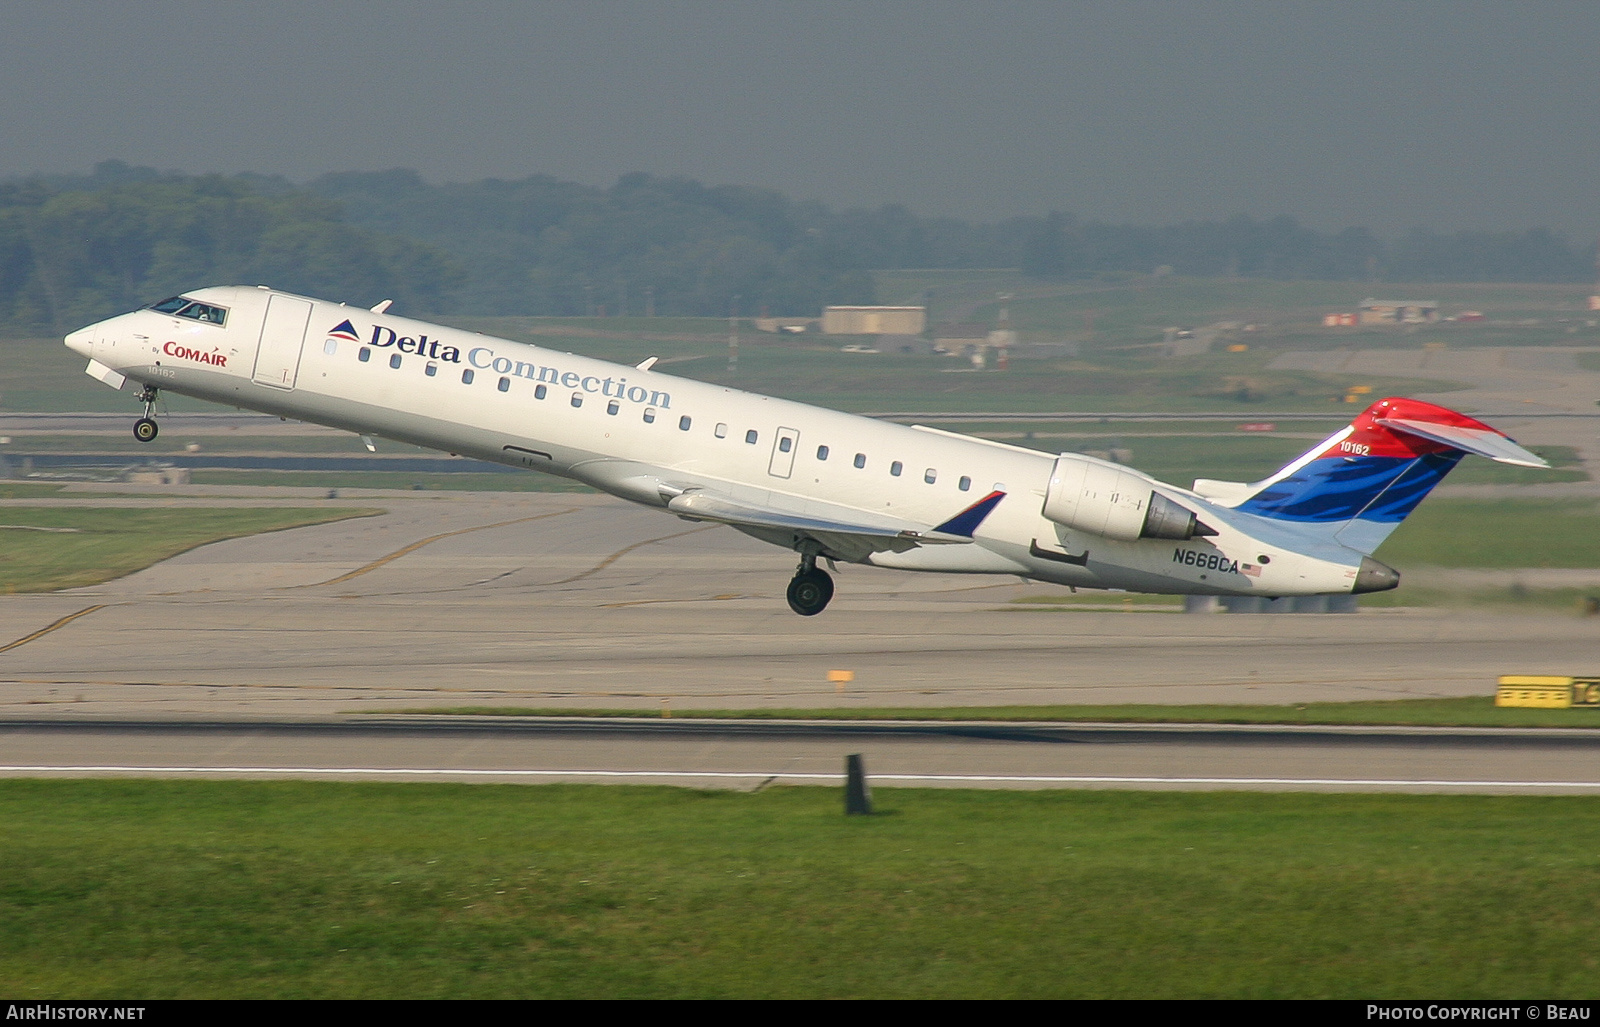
x=289, y=643
x=550, y=600
x=750, y=756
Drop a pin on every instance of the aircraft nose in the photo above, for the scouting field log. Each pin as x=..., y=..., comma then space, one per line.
x=81, y=341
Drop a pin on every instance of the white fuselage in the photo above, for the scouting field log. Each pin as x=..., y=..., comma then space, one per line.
x=644, y=435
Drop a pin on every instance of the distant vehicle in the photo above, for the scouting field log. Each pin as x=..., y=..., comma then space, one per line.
x=826, y=485
x=858, y=348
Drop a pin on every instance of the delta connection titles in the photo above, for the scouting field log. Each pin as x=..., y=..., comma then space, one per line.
x=484, y=359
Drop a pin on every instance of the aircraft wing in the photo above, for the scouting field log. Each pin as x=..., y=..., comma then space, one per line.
x=849, y=533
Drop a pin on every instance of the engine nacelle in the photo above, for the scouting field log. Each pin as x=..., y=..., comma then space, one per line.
x=1106, y=500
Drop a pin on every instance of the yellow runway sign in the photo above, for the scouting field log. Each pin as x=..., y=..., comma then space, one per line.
x=1546, y=691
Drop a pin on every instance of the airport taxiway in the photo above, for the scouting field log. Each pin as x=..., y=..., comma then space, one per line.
x=562, y=600
x=754, y=755
x=272, y=655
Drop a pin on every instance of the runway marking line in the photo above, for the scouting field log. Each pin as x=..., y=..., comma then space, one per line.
x=63, y=622
x=767, y=778
x=413, y=547
x=691, y=599
x=624, y=551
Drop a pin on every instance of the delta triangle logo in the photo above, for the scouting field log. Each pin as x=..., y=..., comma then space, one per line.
x=344, y=330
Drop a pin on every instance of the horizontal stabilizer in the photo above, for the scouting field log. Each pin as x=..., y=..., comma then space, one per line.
x=1227, y=493
x=1479, y=441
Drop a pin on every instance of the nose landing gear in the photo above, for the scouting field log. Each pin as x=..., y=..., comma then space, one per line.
x=811, y=588
x=145, y=428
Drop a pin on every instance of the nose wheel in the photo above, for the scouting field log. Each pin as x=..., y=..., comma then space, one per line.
x=811, y=588
x=145, y=428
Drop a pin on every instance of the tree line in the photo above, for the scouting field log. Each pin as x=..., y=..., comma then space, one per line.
x=77, y=248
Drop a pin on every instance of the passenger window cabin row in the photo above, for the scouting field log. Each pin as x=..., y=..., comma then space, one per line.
x=751, y=437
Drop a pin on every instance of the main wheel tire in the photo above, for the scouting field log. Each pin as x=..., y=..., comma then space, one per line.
x=810, y=592
x=145, y=430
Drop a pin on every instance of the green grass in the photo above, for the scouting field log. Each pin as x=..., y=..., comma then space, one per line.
x=43, y=375
x=526, y=481
x=1463, y=711
x=1564, y=466
x=890, y=383
x=1116, y=310
x=1505, y=533
x=195, y=889
x=1134, y=309
x=86, y=546
x=27, y=490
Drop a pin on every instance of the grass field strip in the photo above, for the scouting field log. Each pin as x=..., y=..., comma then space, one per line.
x=830, y=778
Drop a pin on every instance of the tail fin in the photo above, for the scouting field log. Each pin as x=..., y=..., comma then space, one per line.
x=1361, y=482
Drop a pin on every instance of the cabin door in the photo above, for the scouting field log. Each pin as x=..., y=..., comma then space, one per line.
x=783, y=448
x=282, y=332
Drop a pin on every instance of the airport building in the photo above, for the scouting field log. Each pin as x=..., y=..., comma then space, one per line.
x=874, y=320
x=1410, y=312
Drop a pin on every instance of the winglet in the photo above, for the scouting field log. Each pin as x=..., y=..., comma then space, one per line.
x=966, y=522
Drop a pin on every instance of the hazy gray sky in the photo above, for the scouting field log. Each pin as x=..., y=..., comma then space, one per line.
x=1443, y=113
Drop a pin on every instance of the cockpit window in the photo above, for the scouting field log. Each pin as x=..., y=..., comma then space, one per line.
x=204, y=312
x=178, y=306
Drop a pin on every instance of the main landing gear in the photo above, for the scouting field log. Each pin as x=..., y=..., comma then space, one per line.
x=145, y=428
x=811, y=588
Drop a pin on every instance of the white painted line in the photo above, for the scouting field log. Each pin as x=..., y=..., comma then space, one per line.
x=403, y=771
x=789, y=776
x=1238, y=781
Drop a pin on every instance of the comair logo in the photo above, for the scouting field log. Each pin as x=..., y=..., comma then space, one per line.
x=215, y=359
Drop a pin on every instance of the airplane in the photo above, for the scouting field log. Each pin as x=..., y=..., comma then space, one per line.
x=826, y=485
